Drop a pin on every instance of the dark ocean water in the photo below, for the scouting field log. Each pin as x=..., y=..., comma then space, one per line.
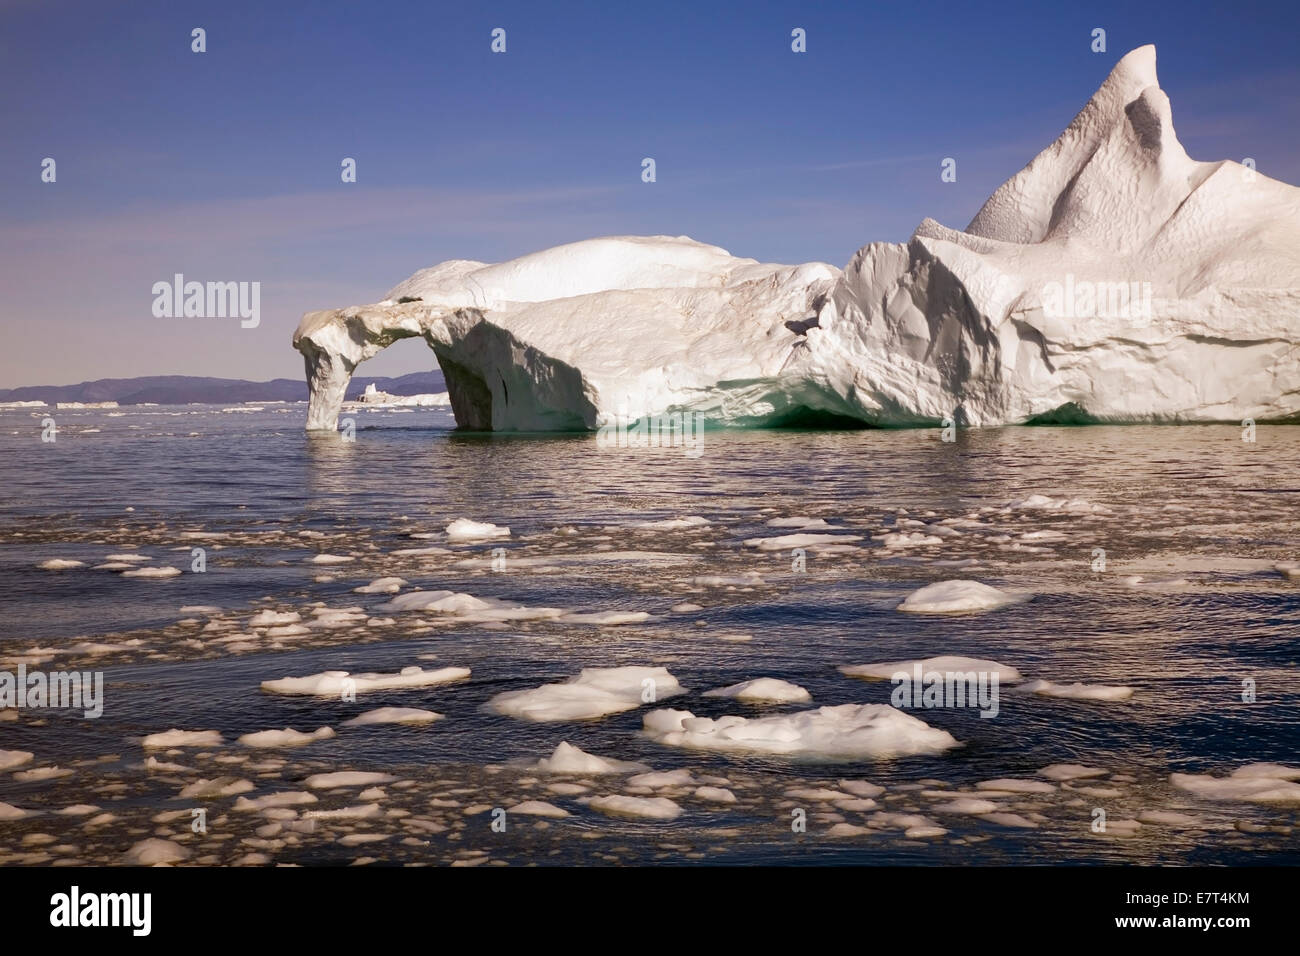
x=1200, y=516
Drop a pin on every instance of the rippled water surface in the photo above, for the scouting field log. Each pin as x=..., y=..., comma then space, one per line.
x=1189, y=609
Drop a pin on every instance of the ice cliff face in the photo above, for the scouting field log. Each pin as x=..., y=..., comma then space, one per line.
x=1112, y=279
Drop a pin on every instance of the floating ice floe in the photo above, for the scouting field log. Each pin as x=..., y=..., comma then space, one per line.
x=661, y=779
x=894, y=540
x=269, y=618
x=1062, y=772
x=152, y=572
x=843, y=732
x=273, y=801
x=569, y=759
x=941, y=665
x=463, y=530
x=217, y=788
x=1253, y=783
x=672, y=524
x=812, y=542
x=714, y=794
x=346, y=778
x=644, y=808
x=183, y=738
x=764, y=689
x=1016, y=785
x=336, y=683
x=365, y=811
x=951, y=597
x=747, y=580
x=382, y=586
x=538, y=808
x=155, y=851
x=287, y=737
x=595, y=692
x=37, y=774
x=393, y=715
x=1076, y=691
x=800, y=522
x=13, y=758
x=468, y=607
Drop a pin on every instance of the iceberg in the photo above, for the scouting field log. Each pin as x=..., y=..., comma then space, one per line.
x=1113, y=279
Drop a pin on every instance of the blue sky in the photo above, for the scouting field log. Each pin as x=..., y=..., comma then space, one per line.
x=225, y=165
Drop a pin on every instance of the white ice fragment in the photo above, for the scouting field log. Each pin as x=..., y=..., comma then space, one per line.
x=463, y=530
x=763, y=689
x=846, y=731
x=336, y=683
x=949, y=597
x=595, y=692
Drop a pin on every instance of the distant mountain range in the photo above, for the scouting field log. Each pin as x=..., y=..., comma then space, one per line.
x=184, y=389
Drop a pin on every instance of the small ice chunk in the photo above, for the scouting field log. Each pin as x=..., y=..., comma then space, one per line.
x=971, y=805
x=940, y=665
x=335, y=683
x=842, y=732
x=950, y=597
x=13, y=758
x=288, y=737
x=382, y=586
x=463, y=529
x=1076, y=691
x=393, y=715
x=787, y=542
x=217, y=787
x=364, y=811
x=646, y=808
x=183, y=738
x=151, y=572
x=538, y=808
x=673, y=524
x=658, y=779
x=329, y=559
x=1014, y=785
x=153, y=851
x=1071, y=771
x=269, y=618
x=1253, y=783
x=346, y=778
x=569, y=759
x=715, y=794
x=595, y=692
x=272, y=801
x=764, y=689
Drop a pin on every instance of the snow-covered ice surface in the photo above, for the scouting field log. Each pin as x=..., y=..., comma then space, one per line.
x=955, y=597
x=596, y=692
x=1114, y=278
x=842, y=732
